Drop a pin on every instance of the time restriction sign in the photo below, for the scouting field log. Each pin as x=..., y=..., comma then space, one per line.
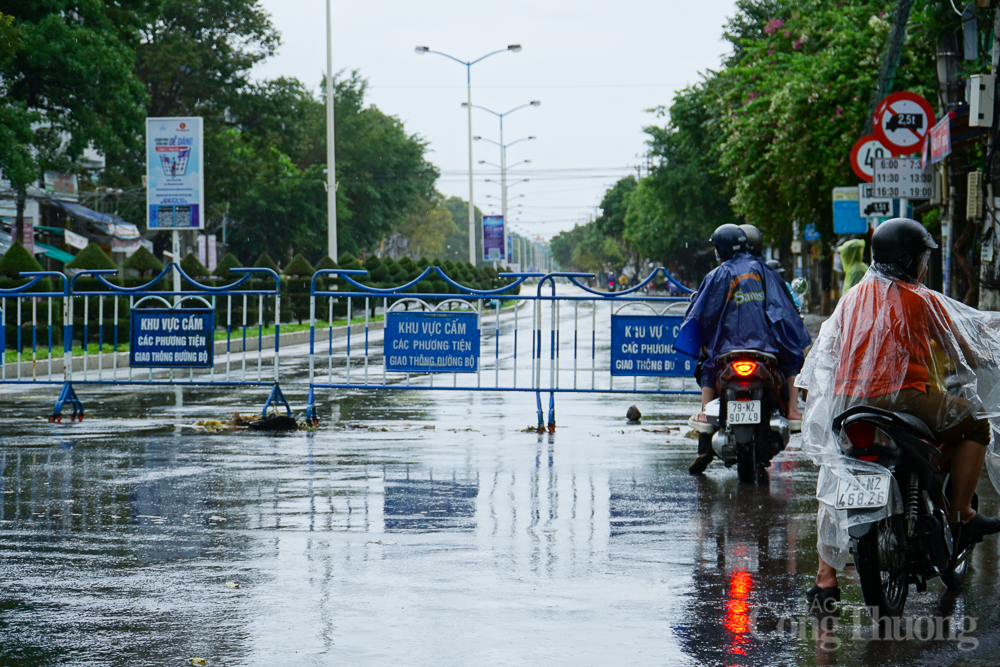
x=902, y=178
x=901, y=122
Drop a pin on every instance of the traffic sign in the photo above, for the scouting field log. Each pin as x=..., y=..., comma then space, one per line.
x=901, y=122
x=869, y=206
x=902, y=178
x=863, y=156
x=845, y=212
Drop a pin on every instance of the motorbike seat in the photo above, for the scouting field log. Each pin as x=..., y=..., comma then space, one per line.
x=908, y=422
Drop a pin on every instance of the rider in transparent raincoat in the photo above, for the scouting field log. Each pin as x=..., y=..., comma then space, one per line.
x=895, y=344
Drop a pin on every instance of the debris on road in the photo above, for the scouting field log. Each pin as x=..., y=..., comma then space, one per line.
x=633, y=414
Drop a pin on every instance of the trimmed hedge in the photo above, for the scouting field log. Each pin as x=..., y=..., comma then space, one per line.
x=143, y=260
x=91, y=257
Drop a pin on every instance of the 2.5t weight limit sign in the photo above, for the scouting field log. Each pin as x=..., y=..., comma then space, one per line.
x=902, y=178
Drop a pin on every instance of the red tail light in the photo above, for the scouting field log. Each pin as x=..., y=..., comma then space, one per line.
x=744, y=368
x=860, y=434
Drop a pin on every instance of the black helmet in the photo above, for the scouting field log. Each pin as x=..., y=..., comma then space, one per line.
x=900, y=245
x=776, y=266
x=728, y=239
x=755, y=240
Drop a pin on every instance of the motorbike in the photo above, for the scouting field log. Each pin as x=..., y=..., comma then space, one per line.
x=897, y=505
x=749, y=414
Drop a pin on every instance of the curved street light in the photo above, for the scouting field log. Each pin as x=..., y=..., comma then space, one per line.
x=503, y=153
x=513, y=48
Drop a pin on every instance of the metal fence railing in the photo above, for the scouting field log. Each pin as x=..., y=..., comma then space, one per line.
x=512, y=338
x=529, y=332
x=142, y=334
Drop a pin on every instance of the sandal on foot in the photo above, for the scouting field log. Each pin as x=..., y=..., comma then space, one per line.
x=795, y=425
x=700, y=426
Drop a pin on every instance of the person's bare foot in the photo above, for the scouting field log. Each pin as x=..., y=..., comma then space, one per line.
x=794, y=415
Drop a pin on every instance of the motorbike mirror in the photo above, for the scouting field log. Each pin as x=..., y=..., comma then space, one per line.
x=800, y=286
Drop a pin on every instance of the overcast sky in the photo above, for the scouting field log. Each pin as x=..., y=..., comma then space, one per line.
x=595, y=66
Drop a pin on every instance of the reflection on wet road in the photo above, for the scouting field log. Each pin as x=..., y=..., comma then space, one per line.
x=423, y=529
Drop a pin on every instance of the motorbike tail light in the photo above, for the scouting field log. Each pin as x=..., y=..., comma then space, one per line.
x=744, y=368
x=860, y=434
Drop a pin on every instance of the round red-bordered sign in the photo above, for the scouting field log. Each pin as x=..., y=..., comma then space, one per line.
x=901, y=122
x=866, y=150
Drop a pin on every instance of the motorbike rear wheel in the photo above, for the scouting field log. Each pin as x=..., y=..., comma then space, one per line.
x=881, y=564
x=746, y=465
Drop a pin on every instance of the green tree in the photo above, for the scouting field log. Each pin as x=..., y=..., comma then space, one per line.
x=795, y=102
x=459, y=239
x=427, y=229
x=67, y=81
x=675, y=209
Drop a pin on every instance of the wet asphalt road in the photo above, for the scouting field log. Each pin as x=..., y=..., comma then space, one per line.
x=419, y=528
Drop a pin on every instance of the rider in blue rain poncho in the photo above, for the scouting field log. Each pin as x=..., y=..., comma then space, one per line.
x=740, y=305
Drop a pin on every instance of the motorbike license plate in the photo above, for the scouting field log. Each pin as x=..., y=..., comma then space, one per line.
x=861, y=491
x=742, y=412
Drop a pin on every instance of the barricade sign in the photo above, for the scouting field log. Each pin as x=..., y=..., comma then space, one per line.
x=643, y=345
x=172, y=338
x=438, y=342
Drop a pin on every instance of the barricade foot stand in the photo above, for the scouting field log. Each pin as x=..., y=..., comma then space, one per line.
x=277, y=399
x=311, y=417
x=541, y=415
x=552, y=413
x=67, y=395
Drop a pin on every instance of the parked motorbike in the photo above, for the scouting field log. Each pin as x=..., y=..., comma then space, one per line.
x=906, y=482
x=749, y=413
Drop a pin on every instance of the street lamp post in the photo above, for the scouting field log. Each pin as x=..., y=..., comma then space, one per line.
x=503, y=160
x=331, y=155
x=513, y=48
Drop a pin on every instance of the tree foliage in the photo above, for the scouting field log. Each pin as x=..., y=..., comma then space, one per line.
x=427, y=229
x=67, y=81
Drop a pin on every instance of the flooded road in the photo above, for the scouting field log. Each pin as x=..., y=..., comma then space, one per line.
x=420, y=528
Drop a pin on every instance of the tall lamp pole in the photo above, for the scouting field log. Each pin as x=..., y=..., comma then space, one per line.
x=514, y=48
x=503, y=163
x=331, y=155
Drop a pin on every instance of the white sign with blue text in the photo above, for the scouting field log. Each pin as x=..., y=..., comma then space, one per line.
x=175, y=179
x=644, y=345
x=445, y=342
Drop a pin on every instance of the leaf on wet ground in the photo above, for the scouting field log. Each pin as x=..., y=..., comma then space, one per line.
x=197, y=661
x=232, y=584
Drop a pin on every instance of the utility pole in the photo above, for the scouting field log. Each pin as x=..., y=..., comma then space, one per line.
x=989, y=268
x=331, y=155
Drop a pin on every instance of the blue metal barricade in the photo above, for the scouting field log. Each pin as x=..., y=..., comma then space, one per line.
x=532, y=332
x=146, y=335
x=493, y=340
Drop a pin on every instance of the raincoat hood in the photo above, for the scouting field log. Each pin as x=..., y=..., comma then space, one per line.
x=887, y=336
x=851, y=253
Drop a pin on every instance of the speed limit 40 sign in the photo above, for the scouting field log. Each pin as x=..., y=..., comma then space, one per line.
x=866, y=150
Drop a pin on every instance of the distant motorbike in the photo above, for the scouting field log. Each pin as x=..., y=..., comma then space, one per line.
x=905, y=482
x=749, y=413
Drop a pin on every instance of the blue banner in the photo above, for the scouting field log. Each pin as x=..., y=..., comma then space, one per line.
x=432, y=342
x=492, y=238
x=172, y=338
x=644, y=345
